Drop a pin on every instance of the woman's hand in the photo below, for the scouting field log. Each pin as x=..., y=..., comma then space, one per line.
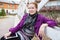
x=41, y=30
x=7, y=34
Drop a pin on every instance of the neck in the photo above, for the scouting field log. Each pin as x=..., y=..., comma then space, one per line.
x=34, y=15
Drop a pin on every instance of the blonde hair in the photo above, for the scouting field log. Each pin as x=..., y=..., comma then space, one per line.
x=33, y=3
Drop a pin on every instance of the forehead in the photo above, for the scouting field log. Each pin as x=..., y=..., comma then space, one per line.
x=31, y=5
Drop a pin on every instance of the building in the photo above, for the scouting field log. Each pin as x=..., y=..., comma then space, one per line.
x=9, y=6
x=52, y=10
x=51, y=5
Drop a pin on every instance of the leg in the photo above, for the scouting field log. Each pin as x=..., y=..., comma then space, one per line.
x=22, y=36
x=2, y=38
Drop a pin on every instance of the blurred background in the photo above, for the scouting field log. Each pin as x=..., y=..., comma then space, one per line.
x=11, y=12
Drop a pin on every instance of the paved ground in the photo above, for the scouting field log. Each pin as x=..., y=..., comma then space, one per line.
x=5, y=24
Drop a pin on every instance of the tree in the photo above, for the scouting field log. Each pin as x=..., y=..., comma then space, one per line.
x=2, y=13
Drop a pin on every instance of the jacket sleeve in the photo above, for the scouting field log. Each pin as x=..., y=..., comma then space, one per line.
x=50, y=22
x=18, y=27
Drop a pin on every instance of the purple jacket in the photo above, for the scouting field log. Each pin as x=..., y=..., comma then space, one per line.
x=40, y=19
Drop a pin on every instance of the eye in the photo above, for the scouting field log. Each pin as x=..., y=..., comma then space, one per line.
x=31, y=8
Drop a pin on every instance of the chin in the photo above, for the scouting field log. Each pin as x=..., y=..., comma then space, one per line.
x=31, y=14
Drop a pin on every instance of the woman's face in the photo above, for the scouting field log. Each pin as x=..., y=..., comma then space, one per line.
x=32, y=9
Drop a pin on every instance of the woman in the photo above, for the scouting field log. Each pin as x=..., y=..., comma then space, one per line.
x=31, y=23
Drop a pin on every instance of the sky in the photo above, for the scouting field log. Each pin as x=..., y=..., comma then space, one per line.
x=11, y=0
x=14, y=0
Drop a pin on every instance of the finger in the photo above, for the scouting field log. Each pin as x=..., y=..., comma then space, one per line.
x=5, y=36
x=39, y=34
